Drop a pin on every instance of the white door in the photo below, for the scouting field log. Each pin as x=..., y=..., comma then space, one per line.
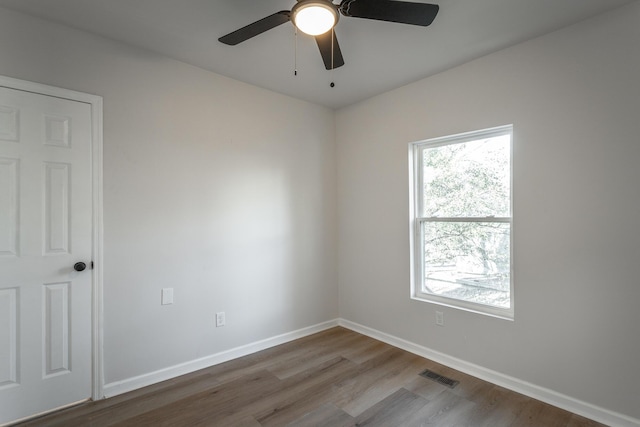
x=45, y=228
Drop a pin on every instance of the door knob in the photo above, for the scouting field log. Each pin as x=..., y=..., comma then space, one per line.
x=79, y=266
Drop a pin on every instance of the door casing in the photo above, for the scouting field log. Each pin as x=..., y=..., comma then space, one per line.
x=97, y=311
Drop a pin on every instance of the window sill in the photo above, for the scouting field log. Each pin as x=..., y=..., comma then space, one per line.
x=498, y=313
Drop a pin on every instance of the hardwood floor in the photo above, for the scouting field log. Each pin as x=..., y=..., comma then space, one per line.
x=336, y=378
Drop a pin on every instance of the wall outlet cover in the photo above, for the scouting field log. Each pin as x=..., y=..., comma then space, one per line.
x=439, y=318
x=220, y=319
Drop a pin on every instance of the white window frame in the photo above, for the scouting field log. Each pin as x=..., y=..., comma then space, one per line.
x=416, y=221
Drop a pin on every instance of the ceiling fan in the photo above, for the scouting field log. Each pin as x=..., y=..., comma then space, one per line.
x=318, y=17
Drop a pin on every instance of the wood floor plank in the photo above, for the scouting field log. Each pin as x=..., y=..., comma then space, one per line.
x=310, y=355
x=285, y=354
x=469, y=387
x=335, y=378
x=578, y=421
x=210, y=406
x=395, y=410
x=538, y=413
x=304, y=393
x=247, y=421
x=379, y=378
x=108, y=411
x=447, y=409
x=327, y=415
x=499, y=408
x=365, y=350
x=424, y=387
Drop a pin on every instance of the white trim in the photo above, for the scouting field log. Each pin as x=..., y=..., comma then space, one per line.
x=499, y=219
x=468, y=306
x=119, y=387
x=465, y=137
x=95, y=102
x=546, y=395
x=416, y=221
x=43, y=89
x=97, y=391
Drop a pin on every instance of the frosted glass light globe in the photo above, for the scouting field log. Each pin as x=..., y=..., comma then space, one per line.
x=314, y=18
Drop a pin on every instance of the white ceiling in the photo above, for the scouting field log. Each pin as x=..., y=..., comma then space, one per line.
x=379, y=56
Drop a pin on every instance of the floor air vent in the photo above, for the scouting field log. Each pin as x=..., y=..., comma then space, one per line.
x=439, y=378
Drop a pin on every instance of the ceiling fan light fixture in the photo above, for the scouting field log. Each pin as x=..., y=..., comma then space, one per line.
x=314, y=17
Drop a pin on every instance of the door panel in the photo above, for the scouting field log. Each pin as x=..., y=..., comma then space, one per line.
x=8, y=207
x=45, y=228
x=8, y=336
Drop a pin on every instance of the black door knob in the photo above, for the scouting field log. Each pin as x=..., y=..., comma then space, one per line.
x=79, y=266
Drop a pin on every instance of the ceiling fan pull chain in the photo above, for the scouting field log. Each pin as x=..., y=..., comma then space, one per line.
x=295, y=51
x=333, y=37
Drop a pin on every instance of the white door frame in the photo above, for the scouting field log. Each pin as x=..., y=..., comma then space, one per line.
x=97, y=388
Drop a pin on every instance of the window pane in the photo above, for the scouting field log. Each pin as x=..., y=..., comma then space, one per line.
x=470, y=179
x=468, y=261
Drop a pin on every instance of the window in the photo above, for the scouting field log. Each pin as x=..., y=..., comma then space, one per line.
x=461, y=221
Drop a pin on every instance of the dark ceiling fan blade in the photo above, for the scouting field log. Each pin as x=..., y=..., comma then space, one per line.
x=403, y=12
x=326, y=47
x=258, y=27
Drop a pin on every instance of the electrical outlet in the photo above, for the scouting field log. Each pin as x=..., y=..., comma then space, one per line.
x=220, y=319
x=439, y=318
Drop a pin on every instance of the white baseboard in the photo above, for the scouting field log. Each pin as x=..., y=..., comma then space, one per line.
x=130, y=384
x=551, y=397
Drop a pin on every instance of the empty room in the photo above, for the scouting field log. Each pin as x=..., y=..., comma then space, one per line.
x=424, y=213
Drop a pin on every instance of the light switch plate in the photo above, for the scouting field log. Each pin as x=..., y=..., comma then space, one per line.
x=167, y=296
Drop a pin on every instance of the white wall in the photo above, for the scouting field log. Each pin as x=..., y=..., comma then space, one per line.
x=573, y=97
x=227, y=193
x=218, y=189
